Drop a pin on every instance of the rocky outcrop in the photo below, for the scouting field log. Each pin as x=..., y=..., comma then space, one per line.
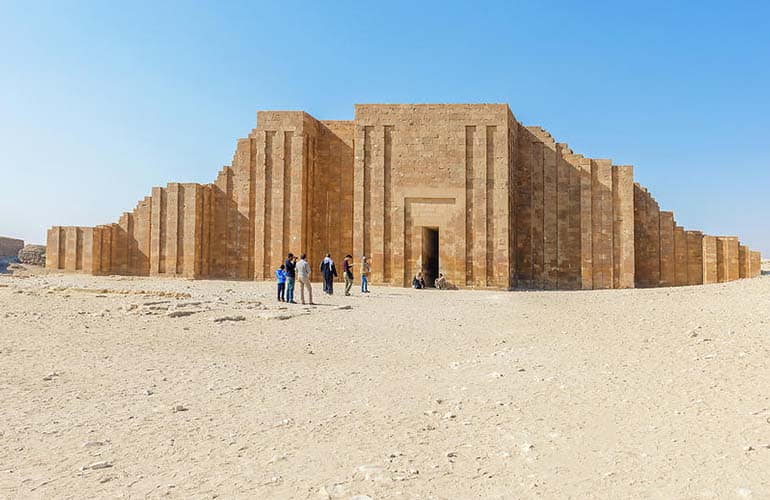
x=32, y=254
x=9, y=247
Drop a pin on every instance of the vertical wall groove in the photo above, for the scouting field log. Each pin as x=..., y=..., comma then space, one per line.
x=180, y=211
x=470, y=132
x=287, y=191
x=162, y=226
x=252, y=207
x=386, y=263
x=367, y=247
x=268, y=201
x=490, y=196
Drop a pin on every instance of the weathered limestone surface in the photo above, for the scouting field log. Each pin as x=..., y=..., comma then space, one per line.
x=711, y=259
x=667, y=256
x=755, y=263
x=646, y=238
x=744, y=261
x=695, y=269
x=623, y=226
x=10, y=247
x=728, y=268
x=464, y=189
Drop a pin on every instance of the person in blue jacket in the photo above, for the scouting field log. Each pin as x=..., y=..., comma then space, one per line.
x=280, y=276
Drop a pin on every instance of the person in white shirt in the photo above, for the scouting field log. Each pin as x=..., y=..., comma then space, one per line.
x=303, y=276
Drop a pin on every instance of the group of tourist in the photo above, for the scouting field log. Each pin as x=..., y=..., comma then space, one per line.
x=298, y=270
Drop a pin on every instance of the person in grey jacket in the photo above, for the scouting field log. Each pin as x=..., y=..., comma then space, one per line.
x=303, y=276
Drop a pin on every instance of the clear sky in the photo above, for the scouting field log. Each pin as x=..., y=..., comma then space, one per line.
x=100, y=101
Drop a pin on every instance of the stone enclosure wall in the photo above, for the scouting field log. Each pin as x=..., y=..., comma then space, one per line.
x=9, y=247
x=462, y=189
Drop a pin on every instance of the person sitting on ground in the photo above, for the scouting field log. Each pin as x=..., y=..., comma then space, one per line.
x=441, y=282
x=418, y=282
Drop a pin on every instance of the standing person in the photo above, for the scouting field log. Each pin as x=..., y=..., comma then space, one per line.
x=280, y=276
x=303, y=276
x=365, y=270
x=329, y=271
x=290, y=276
x=347, y=272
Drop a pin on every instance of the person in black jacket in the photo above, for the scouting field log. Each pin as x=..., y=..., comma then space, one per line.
x=291, y=274
x=329, y=272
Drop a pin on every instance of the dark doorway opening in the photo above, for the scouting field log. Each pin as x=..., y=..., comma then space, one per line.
x=430, y=253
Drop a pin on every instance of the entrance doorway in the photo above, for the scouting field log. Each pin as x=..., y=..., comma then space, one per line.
x=430, y=255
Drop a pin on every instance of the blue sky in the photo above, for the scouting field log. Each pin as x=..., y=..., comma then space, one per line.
x=100, y=101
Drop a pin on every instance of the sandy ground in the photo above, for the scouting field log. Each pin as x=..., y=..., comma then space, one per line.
x=661, y=393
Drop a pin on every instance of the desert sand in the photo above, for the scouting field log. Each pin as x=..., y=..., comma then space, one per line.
x=137, y=387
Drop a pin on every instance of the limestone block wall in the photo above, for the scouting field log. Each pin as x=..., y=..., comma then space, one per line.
x=646, y=238
x=304, y=184
x=694, y=258
x=601, y=221
x=710, y=259
x=330, y=193
x=668, y=255
x=133, y=245
x=728, y=266
x=680, y=256
x=667, y=251
x=286, y=147
x=167, y=237
x=623, y=226
x=445, y=167
x=74, y=249
x=511, y=208
x=9, y=247
x=755, y=264
x=577, y=232
x=744, y=261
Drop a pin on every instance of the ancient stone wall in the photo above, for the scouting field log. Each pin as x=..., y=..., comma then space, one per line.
x=462, y=189
x=755, y=263
x=667, y=252
x=577, y=232
x=710, y=259
x=728, y=267
x=444, y=167
x=744, y=261
x=646, y=238
x=694, y=258
x=680, y=256
x=9, y=247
